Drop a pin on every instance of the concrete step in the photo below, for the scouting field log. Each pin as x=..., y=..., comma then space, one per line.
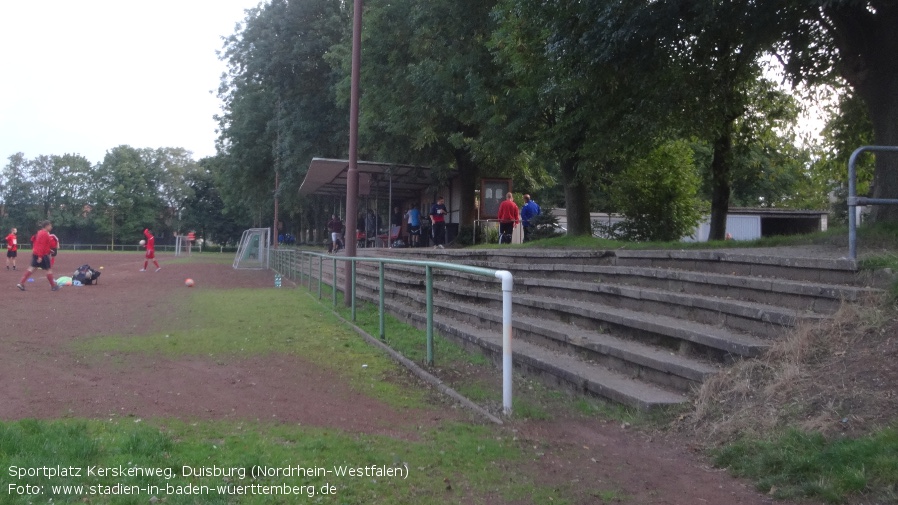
x=811, y=296
x=749, y=317
x=556, y=368
x=675, y=365
x=841, y=271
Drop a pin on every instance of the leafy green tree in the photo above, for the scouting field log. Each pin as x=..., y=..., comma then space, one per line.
x=279, y=108
x=174, y=168
x=428, y=82
x=127, y=195
x=658, y=195
x=857, y=41
x=17, y=195
x=204, y=209
x=71, y=216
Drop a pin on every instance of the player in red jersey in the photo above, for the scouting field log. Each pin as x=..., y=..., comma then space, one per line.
x=40, y=256
x=54, y=249
x=151, y=251
x=12, y=248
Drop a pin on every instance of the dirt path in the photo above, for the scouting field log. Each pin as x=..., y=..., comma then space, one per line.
x=44, y=377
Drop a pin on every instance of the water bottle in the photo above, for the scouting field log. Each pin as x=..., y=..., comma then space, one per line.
x=277, y=280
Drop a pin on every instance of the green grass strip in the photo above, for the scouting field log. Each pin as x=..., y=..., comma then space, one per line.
x=799, y=464
x=455, y=464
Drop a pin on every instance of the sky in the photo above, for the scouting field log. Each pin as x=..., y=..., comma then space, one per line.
x=83, y=77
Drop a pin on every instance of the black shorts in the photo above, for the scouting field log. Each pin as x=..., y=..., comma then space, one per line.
x=414, y=230
x=40, y=261
x=11, y=254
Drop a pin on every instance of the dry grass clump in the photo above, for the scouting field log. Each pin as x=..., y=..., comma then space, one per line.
x=837, y=376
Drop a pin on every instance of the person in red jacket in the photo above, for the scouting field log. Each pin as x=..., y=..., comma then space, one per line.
x=509, y=217
x=40, y=256
x=151, y=251
x=54, y=249
x=12, y=248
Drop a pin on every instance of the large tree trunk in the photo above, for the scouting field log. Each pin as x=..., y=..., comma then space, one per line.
x=720, y=183
x=868, y=43
x=576, y=196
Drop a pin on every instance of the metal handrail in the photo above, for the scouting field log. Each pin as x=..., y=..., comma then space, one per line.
x=854, y=200
x=504, y=275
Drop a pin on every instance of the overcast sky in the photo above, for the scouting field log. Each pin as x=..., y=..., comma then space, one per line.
x=86, y=76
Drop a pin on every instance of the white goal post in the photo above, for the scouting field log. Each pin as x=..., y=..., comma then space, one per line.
x=252, y=251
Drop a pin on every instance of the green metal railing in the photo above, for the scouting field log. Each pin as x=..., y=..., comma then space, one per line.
x=299, y=267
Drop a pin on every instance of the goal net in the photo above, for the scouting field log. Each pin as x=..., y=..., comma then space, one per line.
x=252, y=251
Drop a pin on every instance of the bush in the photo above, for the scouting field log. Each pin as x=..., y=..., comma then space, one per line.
x=658, y=196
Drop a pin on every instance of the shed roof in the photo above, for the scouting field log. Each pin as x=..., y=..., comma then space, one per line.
x=328, y=177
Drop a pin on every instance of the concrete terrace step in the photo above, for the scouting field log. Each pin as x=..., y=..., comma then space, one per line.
x=635, y=359
x=734, y=262
x=654, y=364
x=757, y=318
x=813, y=296
x=582, y=376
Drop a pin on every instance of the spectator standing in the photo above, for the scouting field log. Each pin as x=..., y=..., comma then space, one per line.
x=529, y=211
x=509, y=217
x=12, y=248
x=438, y=219
x=336, y=228
x=40, y=256
x=396, y=217
x=372, y=224
x=414, y=225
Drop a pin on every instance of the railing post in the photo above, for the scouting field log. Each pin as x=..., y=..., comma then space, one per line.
x=353, y=290
x=320, y=271
x=507, y=285
x=429, y=296
x=383, y=335
x=334, y=282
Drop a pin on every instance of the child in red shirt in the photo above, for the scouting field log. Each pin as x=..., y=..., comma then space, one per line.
x=12, y=248
x=40, y=256
x=151, y=251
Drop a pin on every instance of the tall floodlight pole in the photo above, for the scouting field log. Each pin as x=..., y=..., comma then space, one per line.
x=352, y=175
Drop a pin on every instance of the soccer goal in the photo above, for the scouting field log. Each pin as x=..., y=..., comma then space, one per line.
x=252, y=251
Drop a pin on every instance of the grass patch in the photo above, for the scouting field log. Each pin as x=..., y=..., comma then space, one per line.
x=224, y=324
x=455, y=464
x=801, y=464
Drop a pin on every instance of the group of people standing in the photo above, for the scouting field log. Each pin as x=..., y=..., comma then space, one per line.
x=368, y=224
x=509, y=216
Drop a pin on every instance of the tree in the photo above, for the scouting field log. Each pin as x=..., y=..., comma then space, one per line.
x=658, y=195
x=174, y=168
x=127, y=194
x=204, y=209
x=426, y=99
x=17, y=195
x=71, y=216
x=279, y=108
x=856, y=40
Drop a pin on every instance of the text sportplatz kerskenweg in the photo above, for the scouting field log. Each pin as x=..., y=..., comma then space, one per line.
x=191, y=480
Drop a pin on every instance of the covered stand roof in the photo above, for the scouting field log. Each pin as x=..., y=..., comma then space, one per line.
x=328, y=177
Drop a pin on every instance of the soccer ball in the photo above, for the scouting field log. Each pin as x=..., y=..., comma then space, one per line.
x=143, y=242
x=188, y=283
